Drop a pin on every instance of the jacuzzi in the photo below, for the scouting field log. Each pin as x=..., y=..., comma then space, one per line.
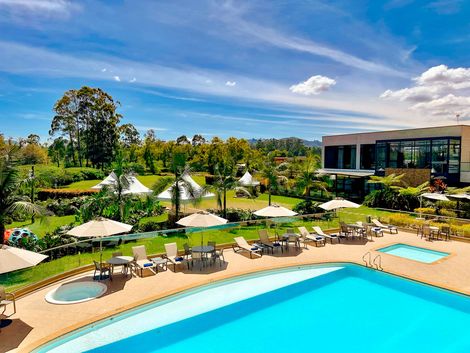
x=76, y=292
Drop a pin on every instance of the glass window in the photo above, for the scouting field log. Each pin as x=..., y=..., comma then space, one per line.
x=368, y=156
x=381, y=152
x=340, y=157
x=439, y=154
x=454, y=156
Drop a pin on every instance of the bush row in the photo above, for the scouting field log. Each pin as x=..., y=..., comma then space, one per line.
x=45, y=194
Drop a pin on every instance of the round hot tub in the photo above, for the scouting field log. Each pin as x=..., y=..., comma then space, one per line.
x=77, y=292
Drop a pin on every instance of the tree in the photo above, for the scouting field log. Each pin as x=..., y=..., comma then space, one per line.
x=57, y=150
x=391, y=181
x=308, y=179
x=182, y=140
x=33, y=139
x=149, y=154
x=225, y=181
x=198, y=140
x=88, y=115
x=10, y=201
x=273, y=176
x=129, y=135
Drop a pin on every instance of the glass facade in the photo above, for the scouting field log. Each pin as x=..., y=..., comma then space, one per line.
x=340, y=157
x=368, y=156
x=442, y=155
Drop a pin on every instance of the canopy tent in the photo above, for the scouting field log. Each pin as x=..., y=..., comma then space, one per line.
x=248, y=180
x=338, y=203
x=12, y=259
x=459, y=197
x=135, y=186
x=275, y=211
x=184, y=192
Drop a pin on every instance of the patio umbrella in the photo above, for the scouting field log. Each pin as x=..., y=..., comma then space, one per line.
x=275, y=211
x=202, y=219
x=12, y=259
x=338, y=203
x=99, y=228
x=435, y=196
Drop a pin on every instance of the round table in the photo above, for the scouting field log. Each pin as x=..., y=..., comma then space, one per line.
x=202, y=248
x=123, y=261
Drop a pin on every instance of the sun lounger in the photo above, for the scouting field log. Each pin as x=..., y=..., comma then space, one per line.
x=242, y=245
x=141, y=260
x=331, y=237
x=5, y=300
x=307, y=236
x=264, y=239
x=172, y=254
x=385, y=226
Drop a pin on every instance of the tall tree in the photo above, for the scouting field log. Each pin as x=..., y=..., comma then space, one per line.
x=273, y=176
x=57, y=150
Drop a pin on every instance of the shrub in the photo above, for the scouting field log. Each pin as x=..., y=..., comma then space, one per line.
x=425, y=210
x=447, y=213
x=149, y=225
x=64, y=206
x=137, y=168
x=234, y=214
x=45, y=194
x=307, y=207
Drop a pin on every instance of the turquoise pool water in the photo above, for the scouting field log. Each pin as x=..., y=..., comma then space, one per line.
x=414, y=253
x=338, y=308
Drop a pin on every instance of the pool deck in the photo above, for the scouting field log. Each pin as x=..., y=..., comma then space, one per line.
x=37, y=321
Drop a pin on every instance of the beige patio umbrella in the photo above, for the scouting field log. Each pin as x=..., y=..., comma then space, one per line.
x=338, y=203
x=99, y=228
x=274, y=211
x=202, y=219
x=12, y=259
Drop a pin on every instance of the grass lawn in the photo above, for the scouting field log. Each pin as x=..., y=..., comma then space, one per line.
x=155, y=244
x=41, y=227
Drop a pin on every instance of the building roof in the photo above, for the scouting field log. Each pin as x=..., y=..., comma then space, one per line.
x=354, y=173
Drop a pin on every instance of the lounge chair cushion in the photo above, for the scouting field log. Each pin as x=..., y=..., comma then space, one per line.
x=148, y=264
x=179, y=258
x=254, y=248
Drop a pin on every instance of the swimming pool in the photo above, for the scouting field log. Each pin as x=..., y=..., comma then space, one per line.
x=335, y=308
x=414, y=253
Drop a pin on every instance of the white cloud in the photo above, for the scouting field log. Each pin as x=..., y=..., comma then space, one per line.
x=313, y=86
x=230, y=83
x=133, y=79
x=439, y=91
x=39, y=7
x=117, y=78
x=103, y=70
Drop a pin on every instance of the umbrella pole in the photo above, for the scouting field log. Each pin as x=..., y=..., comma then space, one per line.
x=101, y=251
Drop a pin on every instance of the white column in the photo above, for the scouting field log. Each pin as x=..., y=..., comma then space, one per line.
x=358, y=156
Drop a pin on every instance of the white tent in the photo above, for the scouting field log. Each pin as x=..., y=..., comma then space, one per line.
x=184, y=192
x=248, y=180
x=135, y=186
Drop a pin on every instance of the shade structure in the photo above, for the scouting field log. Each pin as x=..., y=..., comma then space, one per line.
x=135, y=186
x=338, y=203
x=99, y=228
x=202, y=219
x=248, y=180
x=275, y=211
x=185, y=195
x=435, y=196
x=12, y=259
x=459, y=197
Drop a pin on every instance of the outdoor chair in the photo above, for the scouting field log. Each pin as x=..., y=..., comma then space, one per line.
x=141, y=260
x=102, y=269
x=307, y=236
x=213, y=244
x=242, y=245
x=5, y=300
x=187, y=251
x=445, y=232
x=218, y=255
x=198, y=257
x=392, y=229
x=264, y=239
x=345, y=231
x=172, y=255
x=426, y=232
x=123, y=267
x=331, y=237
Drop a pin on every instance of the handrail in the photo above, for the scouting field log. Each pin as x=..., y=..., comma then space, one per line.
x=368, y=263
x=378, y=262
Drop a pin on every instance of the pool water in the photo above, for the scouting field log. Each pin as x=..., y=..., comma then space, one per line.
x=342, y=308
x=414, y=253
x=77, y=292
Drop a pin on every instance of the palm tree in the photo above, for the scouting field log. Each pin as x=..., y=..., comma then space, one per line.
x=273, y=175
x=308, y=178
x=10, y=201
x=391, y=181
x=179, y=183
x=225, y=181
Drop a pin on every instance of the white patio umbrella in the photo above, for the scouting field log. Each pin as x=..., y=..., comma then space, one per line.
x=459, y=196
x=338, y=203
x=435, y=196
x=99, y=228
x=12, y=259
x=202, y=219
x=275, y=211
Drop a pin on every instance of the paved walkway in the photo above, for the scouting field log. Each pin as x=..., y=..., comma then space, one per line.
x=38, y=321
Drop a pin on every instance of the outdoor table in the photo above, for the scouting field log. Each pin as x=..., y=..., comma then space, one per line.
x=357, y=229
x=123, y=261
x=203, y=248
x=286, y=236
x=160, y=263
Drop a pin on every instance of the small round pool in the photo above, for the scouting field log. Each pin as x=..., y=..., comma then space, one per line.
x=77, y=292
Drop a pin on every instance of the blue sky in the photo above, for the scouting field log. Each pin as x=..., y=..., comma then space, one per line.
x=239, y=68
